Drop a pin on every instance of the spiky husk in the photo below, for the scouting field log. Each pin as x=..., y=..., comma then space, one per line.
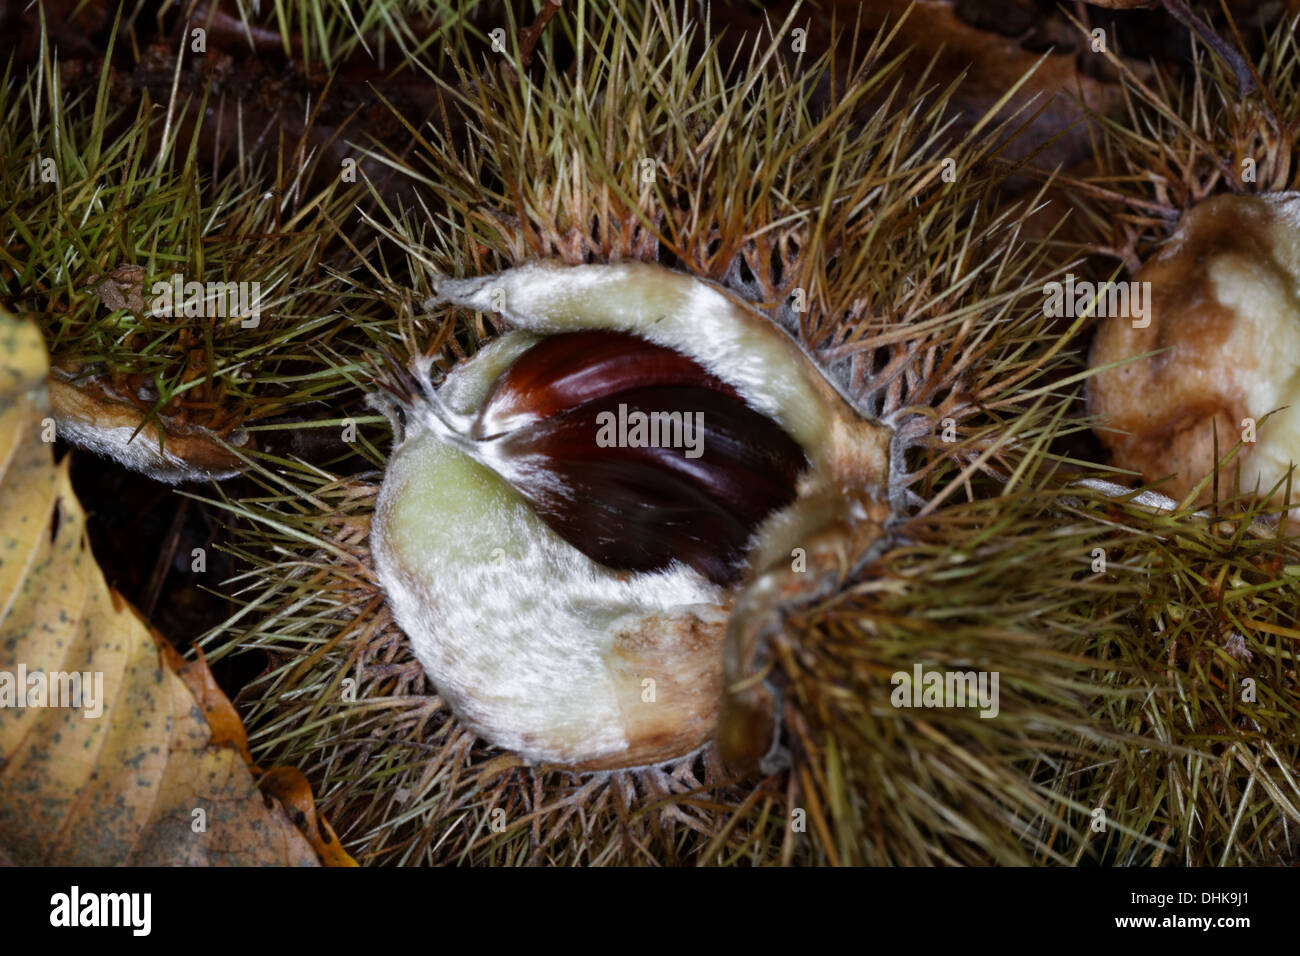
x=1119, y=686
x=326, y=33
x=96, y=179
x=1183, y=138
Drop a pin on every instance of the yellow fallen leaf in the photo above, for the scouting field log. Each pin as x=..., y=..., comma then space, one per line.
x=148, y=766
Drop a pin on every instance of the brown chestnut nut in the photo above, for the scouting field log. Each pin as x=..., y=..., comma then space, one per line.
x=635, y=455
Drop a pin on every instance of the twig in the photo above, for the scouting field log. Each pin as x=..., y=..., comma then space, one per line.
x=533, y=33
x=166, y=553
x=1240, y=68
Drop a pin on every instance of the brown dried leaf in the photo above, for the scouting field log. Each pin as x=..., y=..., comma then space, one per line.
x=123, y=288
x=291, y=788
x=218, y=711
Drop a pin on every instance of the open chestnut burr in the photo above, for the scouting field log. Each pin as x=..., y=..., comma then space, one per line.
x=582, y=527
